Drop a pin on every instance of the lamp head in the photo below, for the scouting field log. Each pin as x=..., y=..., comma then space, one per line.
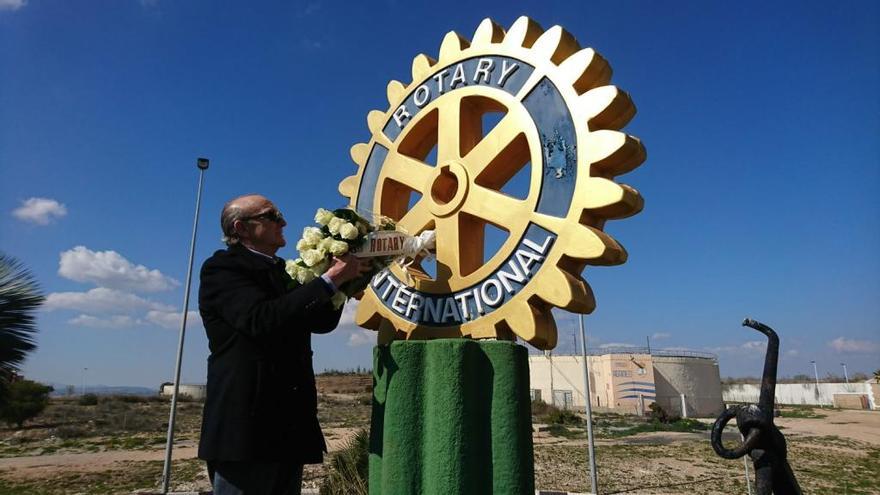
x=202, y=163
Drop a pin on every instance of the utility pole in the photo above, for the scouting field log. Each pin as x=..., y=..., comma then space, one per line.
x=202, y=164
x=845, y=375
x=588, y=408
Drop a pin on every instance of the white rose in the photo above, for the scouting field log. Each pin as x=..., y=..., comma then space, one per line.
x=304, y=276
x=303, y=245
x=323, y=216
x=312, y=257
x=338, y=248
x=348, y=231
x=334, y=224
x=325, y=243
x=292, y=268
x=312, y=235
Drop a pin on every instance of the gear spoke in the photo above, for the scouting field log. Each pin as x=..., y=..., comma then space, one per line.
x=495, y=207
x=449, y=130
x=408, y=171
x=448, y=249
x=416, y=219
x=488, y=148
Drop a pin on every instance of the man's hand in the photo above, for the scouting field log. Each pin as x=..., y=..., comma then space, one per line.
x=347, y=267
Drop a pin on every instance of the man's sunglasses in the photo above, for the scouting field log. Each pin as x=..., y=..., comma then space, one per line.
x=273, y=215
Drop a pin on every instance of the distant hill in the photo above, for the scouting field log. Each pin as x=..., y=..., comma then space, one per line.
x=62, y=389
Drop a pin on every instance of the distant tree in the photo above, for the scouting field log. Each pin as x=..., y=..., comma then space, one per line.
x=877, y=375
x=25, y=400
x=19, y=299
x=858, y=376
x=800, y=378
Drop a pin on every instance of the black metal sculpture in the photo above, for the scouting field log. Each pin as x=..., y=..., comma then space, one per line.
x=763, y=441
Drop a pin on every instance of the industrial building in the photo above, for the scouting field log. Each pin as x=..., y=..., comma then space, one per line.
x=627, y=380
x=191, y=390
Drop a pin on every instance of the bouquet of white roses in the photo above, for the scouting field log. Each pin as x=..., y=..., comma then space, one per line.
x=341, y=231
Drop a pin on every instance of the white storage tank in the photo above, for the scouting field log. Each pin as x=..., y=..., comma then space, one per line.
x=693, y=374
x=191, y=390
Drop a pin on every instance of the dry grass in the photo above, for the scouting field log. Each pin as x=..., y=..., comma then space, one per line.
x=644, y=462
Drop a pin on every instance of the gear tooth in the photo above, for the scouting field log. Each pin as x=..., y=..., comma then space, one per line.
x=613, y=153
x=585, y=70
x=367, y=313
x=566, y=291
x=608, y=199
x=487, y=32
x=523, y=32
x=395, y=92
x=557, y=44
x=359, y=153
x=348, y=186
x=452, y=45
x=375, y=119
x=594, y=246
x=421, y=66
x=606, y=107
x=531, y=323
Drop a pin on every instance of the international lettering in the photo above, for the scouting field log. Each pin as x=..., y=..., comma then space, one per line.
x=473, y=302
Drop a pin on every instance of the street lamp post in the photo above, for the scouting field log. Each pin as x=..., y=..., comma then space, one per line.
x=845, y=375
x=83, y=389
x=591, y=454
x=202, y=164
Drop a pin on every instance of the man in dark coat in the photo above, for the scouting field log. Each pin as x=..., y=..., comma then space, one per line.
x=260, y=420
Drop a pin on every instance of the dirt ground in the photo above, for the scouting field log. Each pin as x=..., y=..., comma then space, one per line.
x=831, y=451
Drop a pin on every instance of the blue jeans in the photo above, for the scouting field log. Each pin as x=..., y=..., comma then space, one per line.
x=256, y=478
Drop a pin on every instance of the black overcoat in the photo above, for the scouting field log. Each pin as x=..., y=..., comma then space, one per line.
x=261, y=400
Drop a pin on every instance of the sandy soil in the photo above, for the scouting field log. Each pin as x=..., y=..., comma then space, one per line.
x=37, y=466
x=861, y=426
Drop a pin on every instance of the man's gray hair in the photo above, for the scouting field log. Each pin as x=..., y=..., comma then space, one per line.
x=231, y=212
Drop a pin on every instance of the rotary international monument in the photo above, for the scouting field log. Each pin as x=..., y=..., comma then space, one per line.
x=451, y=409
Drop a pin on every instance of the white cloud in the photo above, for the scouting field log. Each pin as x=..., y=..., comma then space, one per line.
x=361, y=337
x=843, y=344
x=116, y=321
x=110, y=269
x=661, y=335
x=171, y=318
x=792, y=353
x=752, y=347
x=40, y=211
x=615, y=344
x=12, y=4
x=754, y=344
x=101, y=300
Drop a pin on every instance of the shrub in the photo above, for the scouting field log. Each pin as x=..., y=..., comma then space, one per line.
x=25, y=399
x=67, y=431
x=541, y=408
x=563, y=417
x=349, y=468
x=659, y=414
x=88, y=400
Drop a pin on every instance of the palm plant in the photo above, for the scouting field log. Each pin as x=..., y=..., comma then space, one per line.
x=19, y=297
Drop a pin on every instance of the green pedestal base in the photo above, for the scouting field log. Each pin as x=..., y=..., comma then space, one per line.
x=451, y=416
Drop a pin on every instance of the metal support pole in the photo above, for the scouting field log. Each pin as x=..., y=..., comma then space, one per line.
x=845, y=375
x=746, y=466
x=594, y=482
x=684, y=408
x=202, y=163
x=816, y=374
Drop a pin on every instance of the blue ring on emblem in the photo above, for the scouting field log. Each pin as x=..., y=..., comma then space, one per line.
x=558, y=140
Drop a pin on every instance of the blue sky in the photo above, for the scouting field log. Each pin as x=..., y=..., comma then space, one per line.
x=762, y=183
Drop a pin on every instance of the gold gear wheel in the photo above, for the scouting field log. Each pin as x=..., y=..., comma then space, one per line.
x=571, y=192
